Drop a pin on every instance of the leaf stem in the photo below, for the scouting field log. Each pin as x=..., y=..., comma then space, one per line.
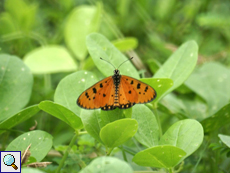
x=67, y=152
x=158, y=118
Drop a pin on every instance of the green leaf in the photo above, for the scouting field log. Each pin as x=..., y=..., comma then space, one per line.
x=31, y=170
x=161, y=85
x=225, y=139
x=18, y=118
x=41, y=143
x=62, y=113
x=82, y=21
x=211, y=85
x=117, y=132
x=126, y=44
x=160, y=156
x=218, y=120
x=99, y=46
x=111, y=116
x=108, y=165
x=186, y=134
x=23, y=14
x=50, y=59
x=16, y=83
x=180, y=64
x=70, y=88
x=92, y=123
x=148, y=130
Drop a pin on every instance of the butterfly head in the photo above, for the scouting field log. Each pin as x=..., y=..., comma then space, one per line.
x=116, y=72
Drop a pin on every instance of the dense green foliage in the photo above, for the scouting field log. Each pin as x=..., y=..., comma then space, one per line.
x=49, y=54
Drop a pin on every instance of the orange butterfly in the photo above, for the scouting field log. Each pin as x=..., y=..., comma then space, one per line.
x=116, y=91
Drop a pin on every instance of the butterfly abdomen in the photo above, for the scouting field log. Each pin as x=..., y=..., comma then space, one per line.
x=116, y=81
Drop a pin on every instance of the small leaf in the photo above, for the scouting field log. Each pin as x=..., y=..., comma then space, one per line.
x=41, y=142
x=18, y=118
x=62, y=113
x=164, y=156
x=107, y=165
x=50, y=59
x=180, y=64
x=70, y=88
x=186, y=134
x=16, y=83
x=117, y=132
x=81, y=21
x=161, y=85
x=100, y=46
x=148, y=130
x=126, y=44
x=225, y=139
x=218, y=120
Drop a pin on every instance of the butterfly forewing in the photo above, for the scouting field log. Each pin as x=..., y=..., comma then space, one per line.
x=134, y=91
x=99, y=95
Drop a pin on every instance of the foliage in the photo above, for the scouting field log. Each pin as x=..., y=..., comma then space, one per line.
x=49, y=54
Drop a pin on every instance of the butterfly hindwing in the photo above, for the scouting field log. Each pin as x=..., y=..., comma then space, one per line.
x=100, y=95
x=133, y=91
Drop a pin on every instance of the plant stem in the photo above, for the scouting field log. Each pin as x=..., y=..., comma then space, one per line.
x=109, y=150
x=158, y=118
x=67, y=152
x=123, y=153
x=170, y=170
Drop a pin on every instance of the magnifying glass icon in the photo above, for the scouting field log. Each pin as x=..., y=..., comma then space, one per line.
x=9, y=160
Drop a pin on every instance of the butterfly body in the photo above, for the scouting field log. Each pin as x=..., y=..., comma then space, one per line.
x=116, y=91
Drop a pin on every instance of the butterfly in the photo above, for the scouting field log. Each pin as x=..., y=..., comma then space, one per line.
x=117, y=91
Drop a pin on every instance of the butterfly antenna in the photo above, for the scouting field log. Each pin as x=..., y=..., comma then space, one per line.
x=125, y=61
x=108, y=62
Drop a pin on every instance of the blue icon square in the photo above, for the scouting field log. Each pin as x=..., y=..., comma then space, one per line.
x=10, y=161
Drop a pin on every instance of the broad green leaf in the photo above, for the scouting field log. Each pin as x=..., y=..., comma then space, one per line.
x=16, y=83
x=186, y=134
x=219, y=119
x=31, y=170
x=117, y=132
x=70, y=88
x=164, y=156
x=211, y=85
x=148, y=130
x=180, y=64
x=41, y=143
x=126, y=44
x=50, y=59
x=183, y=107
x=225, y=139
x=107, y=165
x=61, y=113
x=82, y=21
x=18, y=118
x=92, y=122
x=100, y=46
x=161, y=85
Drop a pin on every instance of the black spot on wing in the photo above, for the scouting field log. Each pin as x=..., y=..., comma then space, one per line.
x=129, y=91
x=138, y=86
x=101, y=85
x=131, y=82
x=104, y=95
x=94, y=90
